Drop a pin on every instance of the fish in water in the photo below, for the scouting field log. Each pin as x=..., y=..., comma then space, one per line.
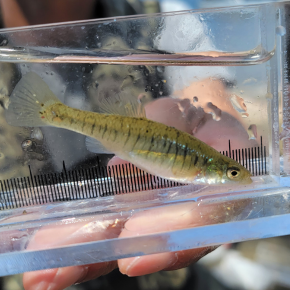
x=123, y=129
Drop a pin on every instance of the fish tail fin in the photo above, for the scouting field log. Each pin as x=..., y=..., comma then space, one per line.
x=28, y=101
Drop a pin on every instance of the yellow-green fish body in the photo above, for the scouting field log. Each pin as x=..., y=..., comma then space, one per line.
x=159, y=149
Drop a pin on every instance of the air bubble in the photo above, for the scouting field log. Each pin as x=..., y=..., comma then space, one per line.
x=195, y=99
x=269, y=96
x=5, y=102
x=238, y=103
x=36, y=134
x=160, y=69
x=201, y=18
x=4, y=42
x=26, y=144
x=249, y=81
x=252, y=132
x=281, y=30
x=181, y=109
x=214, y=111
x=285, y=134
x=141, y=98
x=276, y=126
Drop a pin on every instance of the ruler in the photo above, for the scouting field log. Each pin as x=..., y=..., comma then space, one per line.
x=100, y=181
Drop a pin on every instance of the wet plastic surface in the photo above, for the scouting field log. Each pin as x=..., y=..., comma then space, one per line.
x=227, y=79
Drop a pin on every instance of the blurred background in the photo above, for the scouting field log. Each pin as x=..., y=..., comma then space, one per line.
x=253, y=265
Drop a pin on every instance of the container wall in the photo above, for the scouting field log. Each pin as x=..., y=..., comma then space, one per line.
x=219, y=75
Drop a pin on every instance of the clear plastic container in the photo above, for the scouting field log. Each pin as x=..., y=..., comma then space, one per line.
x=219, y=74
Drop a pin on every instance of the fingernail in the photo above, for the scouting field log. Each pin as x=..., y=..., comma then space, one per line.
x=129, y=267
x=44, y=285
x=156, y=219
x=150, y=264
x=82, y=275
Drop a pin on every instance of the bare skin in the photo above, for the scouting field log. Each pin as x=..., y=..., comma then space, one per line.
x=151, y=221
x=48, y=11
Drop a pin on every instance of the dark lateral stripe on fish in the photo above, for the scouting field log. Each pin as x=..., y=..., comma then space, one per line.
x=184, y=156
x=169, y=147
x=105, y=130
x=152, y=141
x=137, y=139
x=177, y=146
x=83, y=125
x=115, y=135
x=128, y=136
x=176, y=154
x=27, y=100
x=93, y=127
x=76, y=119
x=196, y=159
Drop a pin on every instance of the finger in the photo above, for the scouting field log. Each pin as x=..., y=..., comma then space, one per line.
x=169, y=111
x=198, y=117
x=209, y=91
x=60, y=278
x=217, y=134
x=159, y=220
x=170, y=218
x=139, y=266
x=141, y=224
x=66, y=234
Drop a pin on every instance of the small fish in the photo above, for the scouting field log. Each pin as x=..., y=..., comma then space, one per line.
x=122, y=129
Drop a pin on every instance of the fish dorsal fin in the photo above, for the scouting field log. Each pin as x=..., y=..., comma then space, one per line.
x=95, y=146
x=122, y=104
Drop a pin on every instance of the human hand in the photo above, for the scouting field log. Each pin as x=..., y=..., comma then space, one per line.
x=184, y=116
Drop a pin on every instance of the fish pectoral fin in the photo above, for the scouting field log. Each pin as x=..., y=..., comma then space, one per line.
x=122, y=104
x=95, y=146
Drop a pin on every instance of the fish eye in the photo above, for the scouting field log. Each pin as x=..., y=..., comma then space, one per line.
x=233, y=173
